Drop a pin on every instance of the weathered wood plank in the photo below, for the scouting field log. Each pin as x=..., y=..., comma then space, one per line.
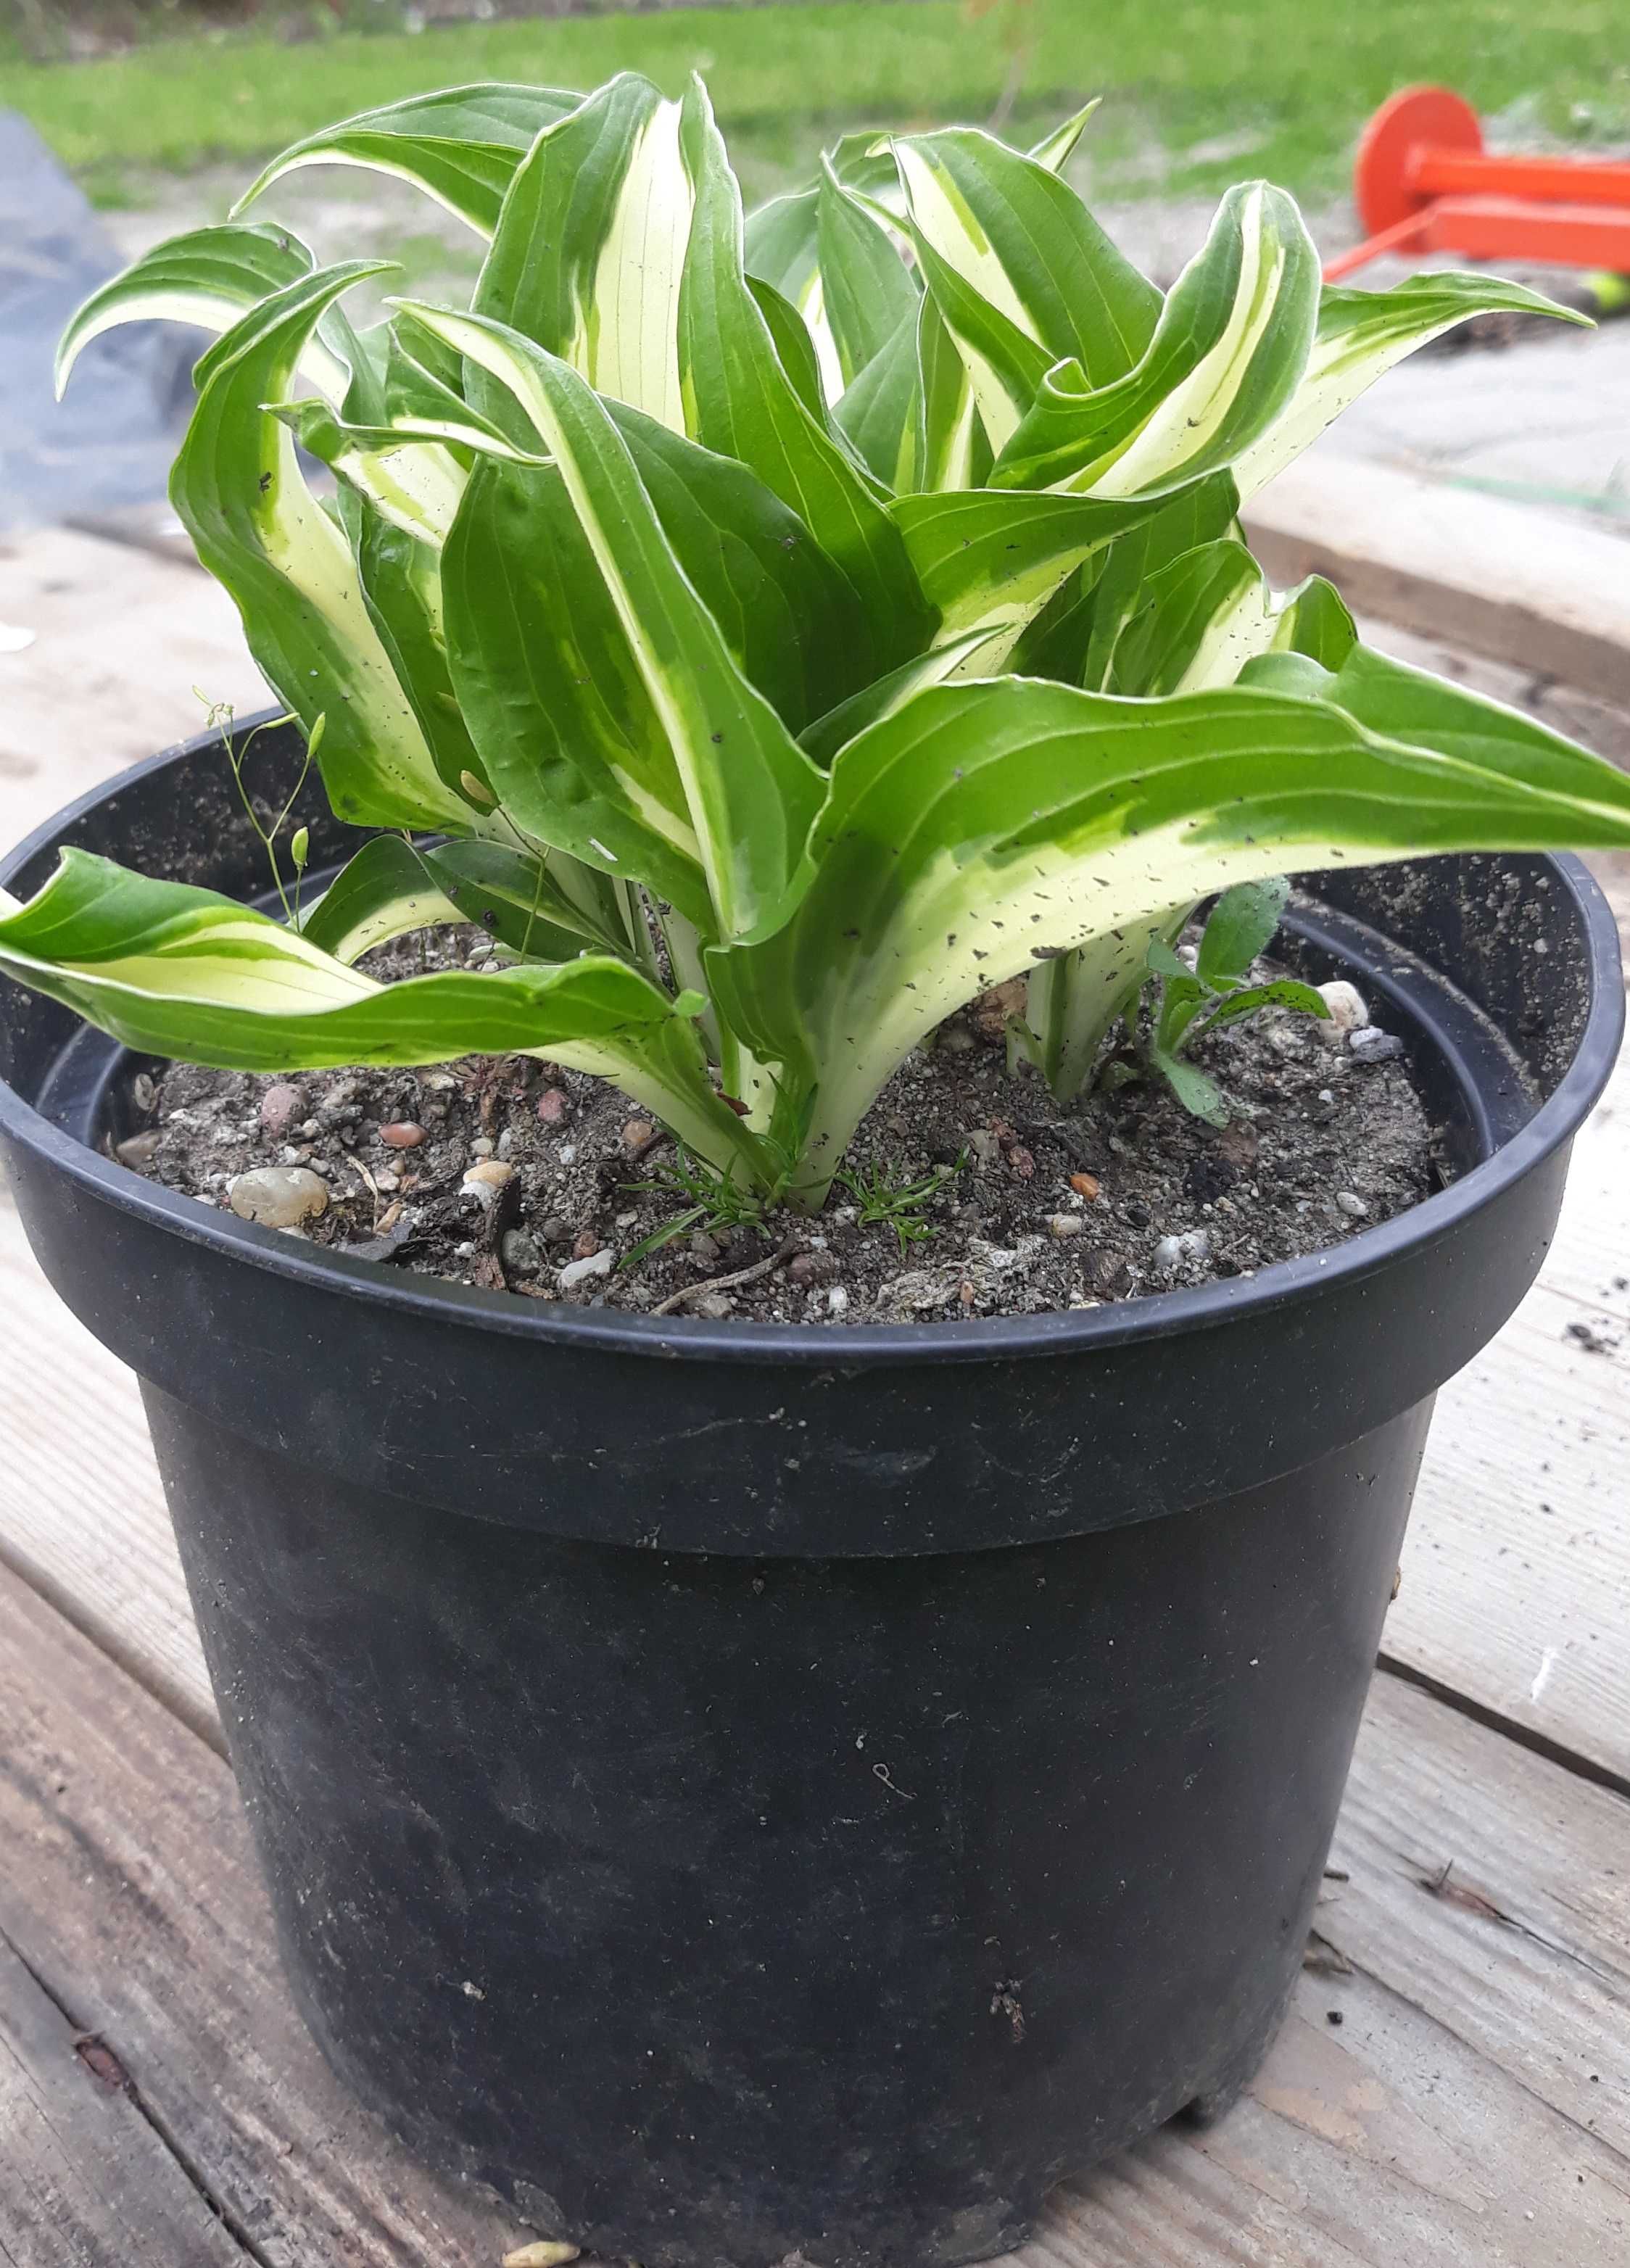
x=1487, y=576
x=1516, y=1568
x=1451, y=2122
x=130, y=1893
x=120, y=639
x=85, y=2182
x=82, y=1512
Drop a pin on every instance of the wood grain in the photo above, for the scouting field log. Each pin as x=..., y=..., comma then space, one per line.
x=1516, y=1568
x=129, y=1892
x=120, y=640
x=82, y=1511
x=1451, y=2122
x=85, y=2182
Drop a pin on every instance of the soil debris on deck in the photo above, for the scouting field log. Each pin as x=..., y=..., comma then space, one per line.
x=967, y=1191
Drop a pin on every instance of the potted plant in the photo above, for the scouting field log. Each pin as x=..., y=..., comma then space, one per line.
x=747, y=1787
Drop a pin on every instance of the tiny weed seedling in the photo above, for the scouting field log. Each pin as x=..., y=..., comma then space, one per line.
x=886, y=1193
x=1217, y=990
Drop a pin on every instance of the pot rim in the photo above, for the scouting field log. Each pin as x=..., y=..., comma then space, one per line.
x=848, y=1347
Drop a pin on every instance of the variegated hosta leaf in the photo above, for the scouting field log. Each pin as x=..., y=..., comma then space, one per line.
x=985, y=824
x=392, y=888
x=867, y=290
x=749, y=792
x=1361, y=336
x=990, y=559
x=461, y=146
x=209, y=278
x=1199, y=514
x=175, y=971
x=238, y=489
x=586, y=256
x=790, y=619
x=408, y=475
x=1073, y=1001
x=1212, y=611
x=1023, y=275
x=1227, y=357
x=955, y=657
x=739, y=402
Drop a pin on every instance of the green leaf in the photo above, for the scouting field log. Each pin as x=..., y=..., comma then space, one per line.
x=1227, y=357
x=238, y=489
x=174, y=971
x=790, y=616
x=1055, y=150
x=407, y=474
x=794, y=346
x=208, y=277
x=749, y=791
x=1361, y=336
x=1211, y=611
x=383, y=891
x=982, y=826
x=548, y=907
x=867, y=290
x=1196, y=515
x=741, y=402
x=391, y=887
x=991, y=558
x=587, y=257
x=881, y=413
x=461, y=146
x=1251, y=999
x=1244, y=922
x=1200, y=1097
x=822, y=739
x=1023, y=275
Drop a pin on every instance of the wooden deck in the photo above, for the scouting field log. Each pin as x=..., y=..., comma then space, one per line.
x=1452, y=2091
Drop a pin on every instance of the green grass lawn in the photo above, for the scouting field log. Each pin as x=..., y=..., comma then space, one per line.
x=1199, y=92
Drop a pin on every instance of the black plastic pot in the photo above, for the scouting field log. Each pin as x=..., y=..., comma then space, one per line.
x=752, y=1790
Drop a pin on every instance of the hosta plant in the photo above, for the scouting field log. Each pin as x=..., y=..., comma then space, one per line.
x=779, y=633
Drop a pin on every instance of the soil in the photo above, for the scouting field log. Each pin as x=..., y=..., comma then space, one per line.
x=1026, y=1207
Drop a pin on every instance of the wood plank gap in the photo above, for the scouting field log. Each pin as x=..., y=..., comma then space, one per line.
x=114, y=2164
x=1510, y=1728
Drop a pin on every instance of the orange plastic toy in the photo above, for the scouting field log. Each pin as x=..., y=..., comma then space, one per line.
x=1424, y=182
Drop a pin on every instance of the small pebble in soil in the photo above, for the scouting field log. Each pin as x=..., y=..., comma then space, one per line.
x=1371, y=1044
x=553, y=1106
x=1349, y=1012
x=278, y=1196
x=1085, y=1185
x=138, y=1151
x=638, y=1133
x=401, y=1134
x=1352, y=1205
x=585, y=1246
x=1065, y=1223
x=278, y=1106
x=523, y=1255
x=580, y=1272
x=488, y=1175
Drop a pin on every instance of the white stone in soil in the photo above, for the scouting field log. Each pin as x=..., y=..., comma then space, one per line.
x=579, y=1272
x=278, y=1196
x=1349, y=1010
x=1353, y=1206
x=1065, y=1223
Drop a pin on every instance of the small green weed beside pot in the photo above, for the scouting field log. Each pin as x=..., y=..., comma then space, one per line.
x=745, y=1790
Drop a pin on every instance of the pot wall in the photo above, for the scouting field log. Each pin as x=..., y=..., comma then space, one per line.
x=719, y=1909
